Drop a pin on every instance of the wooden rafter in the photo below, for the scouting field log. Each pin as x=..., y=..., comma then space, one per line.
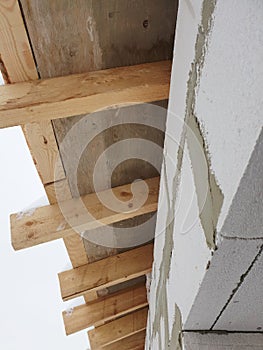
x=38, y=102
x=49, y=223
x=118, y=329
x=76, y=94
x=105, y=308
x=133, y=342
x=17, y=65
x=106, y=272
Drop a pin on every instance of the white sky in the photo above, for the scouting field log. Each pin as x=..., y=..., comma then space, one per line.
x=31, y=305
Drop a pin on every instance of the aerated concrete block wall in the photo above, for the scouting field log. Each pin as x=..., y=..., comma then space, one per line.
x=208, y=261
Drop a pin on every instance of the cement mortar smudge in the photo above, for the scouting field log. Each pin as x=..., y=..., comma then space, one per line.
x=61, y=226
x=26, y=213
x=69, y=311
x=209, y=194
x=92, y=31
x=161, y=306
x=174, y=341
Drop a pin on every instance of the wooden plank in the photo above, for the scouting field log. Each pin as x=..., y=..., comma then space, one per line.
x=40, y=100
x=125, y=172
x=17, y=65
x=17, y=62
x=73, y=242
x=43, y=147
x=108, y=34
x=133, y=342
x=105, y=309
x=58, y=190
x=62, y=46
x=49, y=222
x=118, y=329
x=106, y=272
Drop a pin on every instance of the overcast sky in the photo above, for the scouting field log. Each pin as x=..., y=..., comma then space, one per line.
x=31, y=305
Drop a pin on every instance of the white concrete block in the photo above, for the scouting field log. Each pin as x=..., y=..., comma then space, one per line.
x=245, y=310
x=230, y=263
x=216, y=84
x=227, y=341
x=229, y=103
x=245, y=216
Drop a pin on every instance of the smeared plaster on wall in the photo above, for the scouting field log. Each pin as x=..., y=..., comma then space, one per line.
x=161, y=306
x=209, y=195
x=208, y=213
x=92, y=31
x=176, y=335
x=148, y=285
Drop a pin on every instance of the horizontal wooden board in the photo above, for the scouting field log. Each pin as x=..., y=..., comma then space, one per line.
x=133, y=342
x=61, y=97
x=105, y=308
x=118, y=329
x=106, y=272
x=51, y=222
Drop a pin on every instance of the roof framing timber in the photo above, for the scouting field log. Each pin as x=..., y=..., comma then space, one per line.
x=48, y=223
x=17, y=65
x=33, y=104
x=46, y=99
x=106, y=272
x=105, y=309
x=119, y=329
x=133, y=342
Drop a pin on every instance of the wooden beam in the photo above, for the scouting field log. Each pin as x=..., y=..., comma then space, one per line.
x=118, y=329
x=17, y=65
x=43, y=147
x=54, y=98
x=50, y=222
x=133, y=342
x=106, y=272
x=16, y=62
x=105, y=309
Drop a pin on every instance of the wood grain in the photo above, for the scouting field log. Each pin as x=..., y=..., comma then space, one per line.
x=45, y=152
x=106, y=272
x=17, y=62
x=73, y=242
x=118, y=329
x=61, y=97
x=107, y=34
x=17, y=65
x=58, y=190
x=48, y=223
x=133, y=342
x=105, y=309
